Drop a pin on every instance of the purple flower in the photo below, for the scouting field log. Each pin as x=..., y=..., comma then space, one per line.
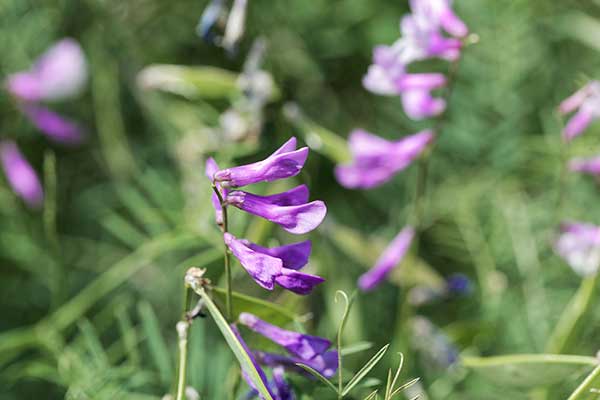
x=284, y=392
x=267, y=270
x=261, y=373
x=284, y=163
x=20, y=175
x=293, y=256
x=303, y=346
x=390, y=258
x=288, y=209
x=377, y=160
x=579, y=245
x=325, y=364
x=586, y=104
x=439, y=13
x=211, y=168
x=61, y=72
x=458, y=284
x=586, y=165
x=53, y=125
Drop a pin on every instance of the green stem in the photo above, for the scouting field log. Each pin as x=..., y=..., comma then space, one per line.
x=585, y=386
x=224, y=228
x=183, y=327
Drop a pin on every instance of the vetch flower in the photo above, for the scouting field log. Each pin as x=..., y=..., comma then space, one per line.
x=293, y=256
x=440, y=13
x=325, y=364
x=586, y=165
x=210, y=169
x=267, y=270
x=390, y=258
x=284, y=392
x=60, y=73
x=288, y=209
x=586, y=105
x=303, y=346
x=283, y=163
x=20, y=175
x=53, y=125
x=376, y=160
x=579, y=245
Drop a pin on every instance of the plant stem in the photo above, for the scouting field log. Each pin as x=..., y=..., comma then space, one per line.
x=584, y=387
x=224, y=229
x=183, y=327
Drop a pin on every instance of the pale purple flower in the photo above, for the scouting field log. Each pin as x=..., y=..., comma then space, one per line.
x=579, y=245
x=586, y=165
x=300, y=345
x=267, y=270
x=288, y=209
x=326, y=364
x=390, y=258
x=211, y=168
x=440, y=13
x=20, y=175
x=586, y=105
x=376, y=160
x=60, y=73
x=283, y=163
x=53, y=125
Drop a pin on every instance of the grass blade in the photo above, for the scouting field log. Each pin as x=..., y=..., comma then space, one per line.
x=365, y=370
x=317, y=375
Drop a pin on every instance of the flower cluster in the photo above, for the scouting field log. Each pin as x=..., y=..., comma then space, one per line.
x=291, y=210
x=585, y=103
x=58, y=74
x=305, y=349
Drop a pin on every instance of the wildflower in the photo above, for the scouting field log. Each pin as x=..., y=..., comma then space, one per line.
x=303, y=346
x=20, y=175
x=586, y=165
x=377, y=160
x=53, y=125
x=325, y=364
x=586, y=105
x=390, y=258
x=267, y=270
x=579, y=245
x=284, y=392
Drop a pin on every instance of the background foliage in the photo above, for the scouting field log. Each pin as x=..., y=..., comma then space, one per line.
x=90, y=287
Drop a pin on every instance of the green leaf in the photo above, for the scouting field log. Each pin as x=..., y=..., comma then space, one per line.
x=234, y=344
x=371, y=396
x=585, y=386
x=317, y=375
x=529, y=370
x=156, y=342
x=365, y=370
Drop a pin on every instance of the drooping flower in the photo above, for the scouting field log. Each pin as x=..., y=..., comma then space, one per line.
x=20, y=175
x=586, y=105
x=325, y=364
x=60, y=73
x=211, y=168
x=283, y=163
x=377, y=160
x=390, y=258
x=288, y=209
x=579, y=245
x=267, y=270
x=589, y=166
x=53, y=125
x=303, y=346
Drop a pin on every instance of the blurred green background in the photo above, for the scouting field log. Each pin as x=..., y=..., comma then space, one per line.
x=90, y=286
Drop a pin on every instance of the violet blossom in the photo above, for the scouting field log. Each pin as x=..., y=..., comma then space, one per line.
x=377, y=160
x=326, y=364
x=267, y=270
x=390, y=258
x=579, y=245
x=20, y=175
x=585, y=103
x=53, y=125
x=589, y=166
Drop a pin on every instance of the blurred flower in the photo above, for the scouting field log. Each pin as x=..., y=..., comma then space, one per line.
x=267, y=270
x=304, y=346
x=458, y=284
x=455, y=285
x=433, y=344
x=283, y=163
x=60, y=73
x=586, y=105
x=53, y=125
x=325, y=364
x=284, y=392
x=377, y=160
x=586, y=165
x=20, y=175
x=579, y=245
x=390, y=258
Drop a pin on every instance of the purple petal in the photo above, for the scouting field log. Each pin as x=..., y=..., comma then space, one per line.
x=325, y=364
x=25, y=86
x=577, y=124
x=211, y=169
x=577, y=99
x=284, y=392
x=298, y=282
x=20, y=175
x=579, y=245
x=427, y=81
x=261, y=267
x=281, y=164
x=294, y=256
x=298, y=219
x=260, y=371
x=304, y=346
x=443, y=47
x=53, y=125
x=419, y=104
x=452, y=24
x=293, y=197
x=586, y=165
x=390, y=258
